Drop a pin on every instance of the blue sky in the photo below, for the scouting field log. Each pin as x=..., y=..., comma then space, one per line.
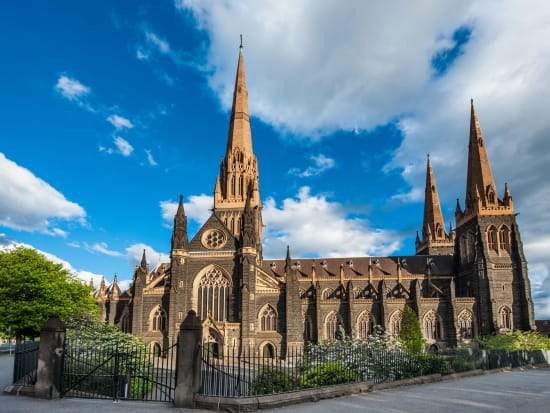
x=110, y=110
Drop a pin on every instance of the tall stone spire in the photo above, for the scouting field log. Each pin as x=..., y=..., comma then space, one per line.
x=481, y=195
x=143, y=264
x=433, y=227
x=239, y=135
x=239, y=168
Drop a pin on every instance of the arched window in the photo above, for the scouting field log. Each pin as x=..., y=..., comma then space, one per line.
x=232, y=184
x=268, y=319
x=332, y=322
x=504, y=237
x=492, y=238
x=465, y=324
x=432, y=326
x=213, y=295
x=328, y=294
x=365, y=325
x=268, y=351
x=158, y=319
x=506, y=318
x=241, y=185
x=395, y=322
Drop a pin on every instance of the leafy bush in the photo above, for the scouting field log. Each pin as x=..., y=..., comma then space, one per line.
x=518, y=340
x=273, y=381
x=100, y=356
x=325, y=374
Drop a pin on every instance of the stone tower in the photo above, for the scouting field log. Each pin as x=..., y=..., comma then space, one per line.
x=238, y=178
x=491, y=265
x=434, y=240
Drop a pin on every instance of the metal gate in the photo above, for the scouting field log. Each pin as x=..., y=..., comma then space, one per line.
x=119, y=371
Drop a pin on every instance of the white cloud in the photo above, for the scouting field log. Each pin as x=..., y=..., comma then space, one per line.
x=119, y=122
x=315, y=67
x=142, y=54
x=159, y=44
x=320, y=165
x=313, y=225
x=71, y=88
x=135, y=252
x=197, y=208
x=102, y=248
x=28, y=203
x=150, y=158
x=123, y=146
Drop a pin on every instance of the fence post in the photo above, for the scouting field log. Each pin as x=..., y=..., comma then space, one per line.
x=49, y=374
x=188, y=361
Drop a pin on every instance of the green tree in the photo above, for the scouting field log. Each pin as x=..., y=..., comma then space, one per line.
x=32, y=288
x=410, y=333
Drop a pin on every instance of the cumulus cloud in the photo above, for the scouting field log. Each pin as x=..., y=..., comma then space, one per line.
x=320, y=164
x=71, y=88
x=120, y=122
x=314, y=226
x=197, y=208
x=102, y=248
x=28, y=203
x=135, y=252
x=122, y=147
x=316, y=67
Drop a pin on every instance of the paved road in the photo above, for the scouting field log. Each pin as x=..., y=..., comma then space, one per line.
x=526, y=391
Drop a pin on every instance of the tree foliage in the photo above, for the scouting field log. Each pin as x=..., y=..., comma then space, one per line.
x=410, y=333
x=518, y=340
x=32, y=288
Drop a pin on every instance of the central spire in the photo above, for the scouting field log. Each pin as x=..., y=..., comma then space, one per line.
x=239, y=129
x=480, y=184
x=237, y=183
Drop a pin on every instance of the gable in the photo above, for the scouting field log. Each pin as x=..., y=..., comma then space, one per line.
x=213, y=236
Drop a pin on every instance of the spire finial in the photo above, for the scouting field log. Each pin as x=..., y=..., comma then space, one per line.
x=241, y=46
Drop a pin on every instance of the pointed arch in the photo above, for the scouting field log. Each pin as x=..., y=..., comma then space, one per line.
x=267, y=318
x=364, y=325
x=332, y=321
x=211, y=292
x=438, y=231
x=492, y=238
x=267, y=350
x=465, y=321
x=328, y=294
x=157, y=319
x=431, y=326
x=504, y=238
x=233, y=185
x=395, y=322
x=505, y=318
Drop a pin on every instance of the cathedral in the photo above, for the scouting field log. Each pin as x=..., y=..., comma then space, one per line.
x=463, y=282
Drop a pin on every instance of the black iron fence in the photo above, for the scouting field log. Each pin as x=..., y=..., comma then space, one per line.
x=119, y=371
x=244, y=372
x=25, y=363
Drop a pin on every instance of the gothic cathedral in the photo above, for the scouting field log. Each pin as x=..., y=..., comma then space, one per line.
x=466, y=282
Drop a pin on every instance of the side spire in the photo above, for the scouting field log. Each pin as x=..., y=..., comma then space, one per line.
x=179, y=236
x=433, y=226
x=143, y=264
